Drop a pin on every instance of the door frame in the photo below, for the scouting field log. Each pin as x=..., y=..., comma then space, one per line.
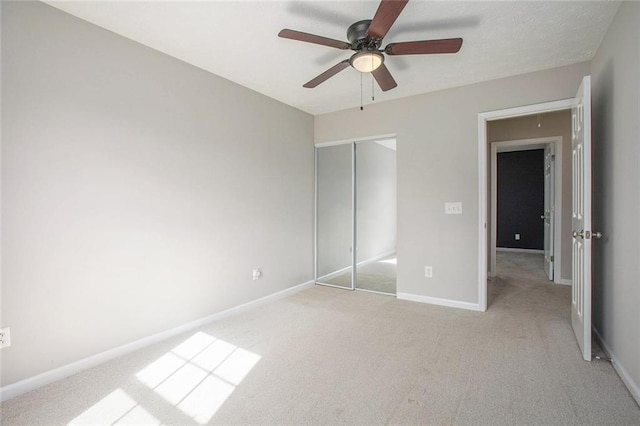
x=483, y=171
x=525, y=145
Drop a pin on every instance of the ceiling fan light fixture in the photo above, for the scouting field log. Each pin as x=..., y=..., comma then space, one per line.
x=366, y=61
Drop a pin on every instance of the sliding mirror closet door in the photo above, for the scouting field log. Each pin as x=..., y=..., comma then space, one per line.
x=334, y=215
x=376, y=216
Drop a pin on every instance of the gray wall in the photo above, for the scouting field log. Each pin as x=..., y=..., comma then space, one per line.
x=138, y=192
x=437, y=160
x=551, y=124
x=615, y=71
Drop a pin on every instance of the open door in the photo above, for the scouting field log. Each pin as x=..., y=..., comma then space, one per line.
x=549, y=208
x=581, y=217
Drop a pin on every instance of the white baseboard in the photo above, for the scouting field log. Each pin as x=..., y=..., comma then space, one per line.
x=633, y=387
x=563, y=281
x=438, y=301
x=333, y=274
x=361, y=263
x=32, y=383
x=520, y=250
x=376, y=258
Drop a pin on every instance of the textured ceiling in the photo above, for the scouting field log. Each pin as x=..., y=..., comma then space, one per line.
x=238, y=41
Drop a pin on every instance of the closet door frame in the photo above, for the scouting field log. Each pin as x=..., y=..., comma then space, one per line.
x=354, y=237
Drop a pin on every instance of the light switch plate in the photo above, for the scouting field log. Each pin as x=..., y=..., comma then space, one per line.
x=453, y=208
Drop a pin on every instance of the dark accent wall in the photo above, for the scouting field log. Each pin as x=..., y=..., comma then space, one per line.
x=521, y=199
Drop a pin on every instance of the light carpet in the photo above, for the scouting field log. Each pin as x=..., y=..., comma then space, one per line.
x=330, y=356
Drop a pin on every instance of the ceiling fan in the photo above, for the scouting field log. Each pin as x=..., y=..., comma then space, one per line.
x=365, y=38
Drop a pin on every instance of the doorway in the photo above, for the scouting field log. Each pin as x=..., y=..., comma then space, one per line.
x=483, y=181
x=533, y=229
x=581, y=232
x=356, y=215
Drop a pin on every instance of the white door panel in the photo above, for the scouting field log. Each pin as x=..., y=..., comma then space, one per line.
x=581, y=218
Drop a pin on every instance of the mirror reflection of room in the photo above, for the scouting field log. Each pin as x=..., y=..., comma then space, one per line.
x=361, y=178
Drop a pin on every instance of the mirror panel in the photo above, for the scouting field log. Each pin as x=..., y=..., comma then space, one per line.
x=334, y=217
x=376, y=216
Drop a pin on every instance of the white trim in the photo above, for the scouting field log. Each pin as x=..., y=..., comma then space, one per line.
x=366, y=290
x=563, y=281
x=520, y=250
x=315, y=213
x=440, y=302
x=354, y=217
x=341, y=287
x=35, y=382
x=482, y=211
x=376, y=258
x=361, y=263
x=634, y=388
x=483, y=117
x=353, y=140
x=522, y=145
x=333, y=275
x=528, y=110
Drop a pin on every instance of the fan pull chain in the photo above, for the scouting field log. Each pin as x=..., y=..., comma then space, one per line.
x=361, y=106
x=373, y=97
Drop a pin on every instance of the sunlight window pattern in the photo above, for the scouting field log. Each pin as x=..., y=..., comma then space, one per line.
x=116, y=408
x=199, y=375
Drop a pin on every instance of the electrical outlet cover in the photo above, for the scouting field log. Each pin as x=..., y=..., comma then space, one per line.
x=5, y=339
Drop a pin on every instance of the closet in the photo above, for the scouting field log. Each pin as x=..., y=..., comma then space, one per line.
x=356, y=215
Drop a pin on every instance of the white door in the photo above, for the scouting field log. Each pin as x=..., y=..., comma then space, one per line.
x=549, y=208
x=581, y=217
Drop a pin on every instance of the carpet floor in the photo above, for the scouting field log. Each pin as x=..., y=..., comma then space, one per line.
x=330, y=356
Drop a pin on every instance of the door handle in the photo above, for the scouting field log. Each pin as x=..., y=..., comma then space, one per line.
x=587, y=234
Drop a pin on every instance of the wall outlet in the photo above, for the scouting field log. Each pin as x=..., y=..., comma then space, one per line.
x=517, y=237
x=453, y=208
x=5, y=337
x=257, y=274
x=428, y=271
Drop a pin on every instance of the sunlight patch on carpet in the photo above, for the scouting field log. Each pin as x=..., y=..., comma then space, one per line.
x=196, y=377
x=116, y=408
x=199, y=375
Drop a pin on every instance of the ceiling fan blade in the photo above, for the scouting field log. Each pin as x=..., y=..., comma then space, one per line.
x=385, y=16
x=327, y=74
x=312, y=38
x=448, y=45
x=384, y=78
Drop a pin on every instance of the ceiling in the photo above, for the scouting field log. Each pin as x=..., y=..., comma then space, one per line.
x=238, y=41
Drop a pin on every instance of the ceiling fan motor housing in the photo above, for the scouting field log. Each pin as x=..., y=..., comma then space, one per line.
x=357, y=36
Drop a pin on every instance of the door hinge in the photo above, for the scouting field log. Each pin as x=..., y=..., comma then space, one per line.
x=551, y=259
x=553, y=157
